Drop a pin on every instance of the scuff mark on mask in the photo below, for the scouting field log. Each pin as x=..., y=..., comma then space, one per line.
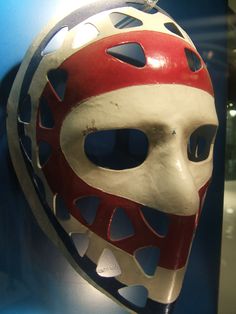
x=173, y=132
x=114, y=103
x=90, y=129
x=158, y=134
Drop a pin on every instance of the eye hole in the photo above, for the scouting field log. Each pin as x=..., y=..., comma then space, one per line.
x=200, y=141
x=116, y=149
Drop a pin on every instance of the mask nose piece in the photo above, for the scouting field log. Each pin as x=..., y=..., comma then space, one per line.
x=181, y=195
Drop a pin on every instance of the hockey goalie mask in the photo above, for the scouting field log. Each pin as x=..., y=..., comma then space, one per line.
x=116, y=125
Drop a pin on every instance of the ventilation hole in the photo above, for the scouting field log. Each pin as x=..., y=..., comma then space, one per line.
x=120, y=21
x=46, y=117
x=61, y=211
x=136, y=295
x=148, y=259
x=200, y=142
x=121, y=226
x=116, y=149
x=55, y=42
x=156, y=219
x=39, y=187
x=81, y=242
x=58, y=80
x=85, y=34
x=88, y=207
x=143, y=7
x=194, y=61
x=173, y=29
x=131, y=53
x=108, y=265
x=25, y=142
x=24, y=110
x=44, y=152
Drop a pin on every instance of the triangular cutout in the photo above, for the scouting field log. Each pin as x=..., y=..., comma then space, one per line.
x=88, y=207
x=173, y=29
x=137, y=295
x=194, y=62
x=61, y=211
x=25, y=142
x=131, y=53
x=85, y=34
x=121, y=225
x=81, y=242
x=46, y=117
x=56, y=41
x=44, y=152
x=58, y=80
x=38, y=183
x=156, y=219
x=108, y=265
x=24, y=110
x=148, y=258
x=121, y=20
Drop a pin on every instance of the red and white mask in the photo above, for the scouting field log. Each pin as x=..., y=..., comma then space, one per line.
x=122, y=131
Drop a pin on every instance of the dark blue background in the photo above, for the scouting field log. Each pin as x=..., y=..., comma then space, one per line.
x=34, y=277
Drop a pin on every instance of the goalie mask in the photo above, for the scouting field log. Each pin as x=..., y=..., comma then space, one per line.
x=115, y=115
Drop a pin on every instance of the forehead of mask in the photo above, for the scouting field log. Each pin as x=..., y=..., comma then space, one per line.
x=168, y=115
